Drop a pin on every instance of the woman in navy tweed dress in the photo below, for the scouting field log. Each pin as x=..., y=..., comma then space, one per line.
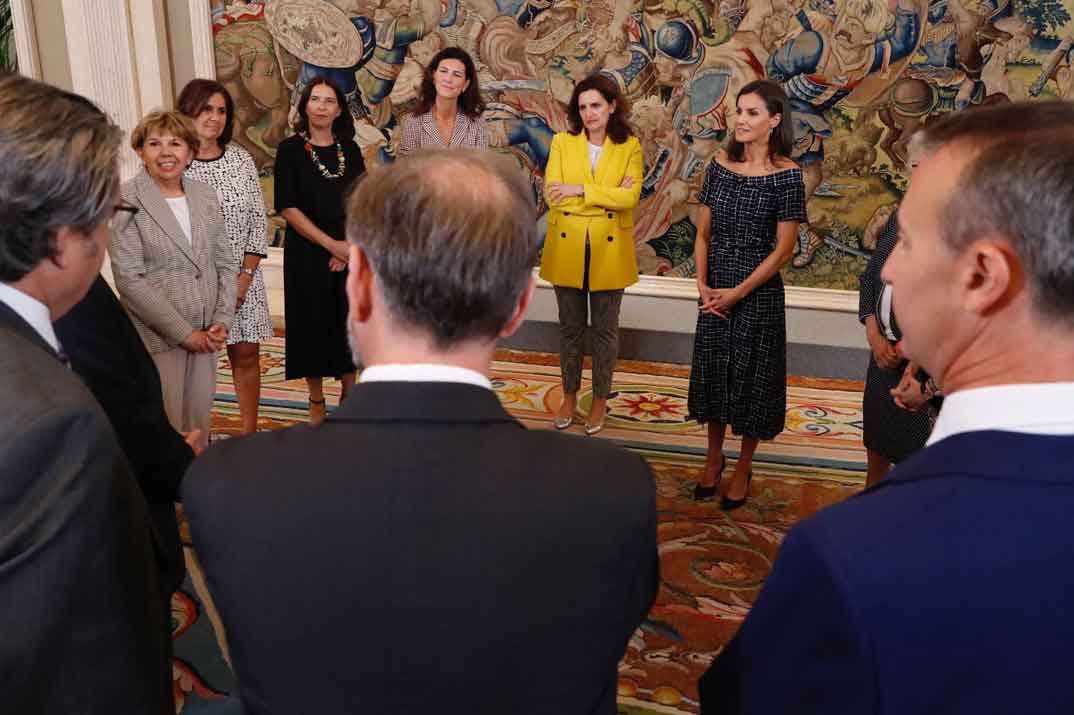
x=752, y=201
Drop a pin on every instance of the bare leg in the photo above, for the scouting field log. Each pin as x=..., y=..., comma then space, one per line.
x=317, y=407
x=246, y=374
x=714, y=458
x=596, y=410
x=738, y=488
x=346, y=382
x=568, y=406
x=878, y=466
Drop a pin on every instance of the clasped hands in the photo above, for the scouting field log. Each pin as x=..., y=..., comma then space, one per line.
x=341, y=252
x=557, y=191
x=718, y=301
x=206, y=341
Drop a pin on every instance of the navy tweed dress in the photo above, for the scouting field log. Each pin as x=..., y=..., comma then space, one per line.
x=739, y=371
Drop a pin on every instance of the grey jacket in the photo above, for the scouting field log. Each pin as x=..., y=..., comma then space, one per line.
x=169, y=285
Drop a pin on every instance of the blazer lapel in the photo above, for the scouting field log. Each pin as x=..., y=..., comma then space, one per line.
x=154, y=204
x=15, y=322
x=199, y=229
x=428, y=125
x=604, y=161
x=458, y=132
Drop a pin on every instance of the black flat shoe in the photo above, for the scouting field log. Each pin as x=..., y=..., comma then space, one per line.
x=732, y=504
x=702, y=493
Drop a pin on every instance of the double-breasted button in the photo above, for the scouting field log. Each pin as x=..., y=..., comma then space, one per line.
x=566, y=213
x=610, y=216
x=611, y=238
x=563, y=234
x=197, y=276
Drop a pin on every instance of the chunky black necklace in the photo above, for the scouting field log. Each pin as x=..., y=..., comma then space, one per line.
x=317, y=160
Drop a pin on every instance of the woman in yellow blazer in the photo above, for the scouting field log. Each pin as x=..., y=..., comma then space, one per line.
x=592, y=184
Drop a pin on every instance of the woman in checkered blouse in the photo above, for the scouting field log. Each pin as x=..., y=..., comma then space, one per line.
x=752, y=201
x=449, y=112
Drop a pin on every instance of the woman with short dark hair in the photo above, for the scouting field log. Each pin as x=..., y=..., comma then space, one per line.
x=314, y=169
x=449, y=112
x=230, y=170
x=592, y=184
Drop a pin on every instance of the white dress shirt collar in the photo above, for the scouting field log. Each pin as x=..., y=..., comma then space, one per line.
x=424, y=372
x=32, y=311
x=1031, y=408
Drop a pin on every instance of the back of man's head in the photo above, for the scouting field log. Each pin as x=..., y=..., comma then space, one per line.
x=58, y=152
x=452, y=239
x=1018, y=184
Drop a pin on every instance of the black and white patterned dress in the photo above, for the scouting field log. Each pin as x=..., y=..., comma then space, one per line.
x=739, y=372
x=234, y=176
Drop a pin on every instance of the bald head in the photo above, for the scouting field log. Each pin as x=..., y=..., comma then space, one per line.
x=452, y=239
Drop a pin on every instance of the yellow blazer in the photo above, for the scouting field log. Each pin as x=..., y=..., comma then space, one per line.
x=605, y=213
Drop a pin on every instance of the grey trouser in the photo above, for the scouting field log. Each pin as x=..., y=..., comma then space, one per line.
x=604, y=331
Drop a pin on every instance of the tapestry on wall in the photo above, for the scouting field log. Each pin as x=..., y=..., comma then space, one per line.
x=862, y=76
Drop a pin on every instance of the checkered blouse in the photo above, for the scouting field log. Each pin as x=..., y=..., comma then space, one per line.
x=419, y=131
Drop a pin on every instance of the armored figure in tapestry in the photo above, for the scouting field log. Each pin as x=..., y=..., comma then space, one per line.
x=862, y=75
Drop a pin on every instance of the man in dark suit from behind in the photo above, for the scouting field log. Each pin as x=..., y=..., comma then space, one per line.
x=81, y=628
x=947, y=588
x=106, y=352
x=421, y=551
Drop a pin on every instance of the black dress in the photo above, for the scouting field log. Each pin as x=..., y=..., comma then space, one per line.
x=315, y=300
x=887, y=429
x=739, y=372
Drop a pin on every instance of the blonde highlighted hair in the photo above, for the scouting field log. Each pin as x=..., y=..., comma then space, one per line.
x=161, y=122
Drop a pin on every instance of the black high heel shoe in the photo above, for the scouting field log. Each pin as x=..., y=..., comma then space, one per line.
x=732, y=504
x=702, y=493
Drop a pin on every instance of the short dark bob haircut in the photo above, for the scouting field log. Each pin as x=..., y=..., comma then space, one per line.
x=342, y=127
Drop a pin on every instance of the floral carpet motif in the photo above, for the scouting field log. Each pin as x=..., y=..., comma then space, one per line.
x=712, y=563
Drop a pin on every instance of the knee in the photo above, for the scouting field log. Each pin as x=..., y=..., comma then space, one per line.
x=243, y=356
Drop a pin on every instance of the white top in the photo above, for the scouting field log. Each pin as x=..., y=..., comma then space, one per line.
x=594, y=156
x=424, y=372
x=1030, y=408
x=181, y=209
x=885, y=312
x=32, y=311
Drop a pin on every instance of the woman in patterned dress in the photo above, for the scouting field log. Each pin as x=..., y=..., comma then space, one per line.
x=230, y=170
x=752, y=201
x=449, y=111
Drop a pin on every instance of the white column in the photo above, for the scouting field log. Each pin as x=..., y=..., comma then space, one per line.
x=22, y=15
x=150, y=48
x=102, y=63
x=201, y=36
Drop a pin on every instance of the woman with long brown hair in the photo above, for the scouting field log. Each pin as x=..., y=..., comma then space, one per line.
x=449, y=112
x=314, y=169
x=752, y=200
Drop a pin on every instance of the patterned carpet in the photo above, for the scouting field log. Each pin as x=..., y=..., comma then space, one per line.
x=712, y=563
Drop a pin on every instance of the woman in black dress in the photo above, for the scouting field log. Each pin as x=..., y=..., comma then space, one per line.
x=314, y=169
x=752, y=201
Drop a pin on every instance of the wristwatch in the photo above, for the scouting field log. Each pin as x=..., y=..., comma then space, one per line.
x=247, y=271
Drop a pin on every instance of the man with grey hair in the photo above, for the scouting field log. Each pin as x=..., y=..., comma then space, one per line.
x=947, y=588
x=81, y=628
x=421, y=551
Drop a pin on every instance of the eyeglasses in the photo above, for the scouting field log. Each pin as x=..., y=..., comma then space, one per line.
x=122, y=215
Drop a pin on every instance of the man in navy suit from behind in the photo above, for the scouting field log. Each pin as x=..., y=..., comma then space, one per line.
x=948, y=587
x=420, y=551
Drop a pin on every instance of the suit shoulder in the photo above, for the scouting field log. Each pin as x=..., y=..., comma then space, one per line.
x=584, y=453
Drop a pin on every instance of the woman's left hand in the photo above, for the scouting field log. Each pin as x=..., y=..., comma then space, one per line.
x=722, y=300
x=557, y=191
x=908, y=393
x=335, y=265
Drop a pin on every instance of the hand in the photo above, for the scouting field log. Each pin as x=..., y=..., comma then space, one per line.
x=340, y=250
x=885, y=354
x=908, y=394
x=557, y=191
x=193, y=439
x=724, y=299
x=244, y=285
x=628, y=182
x=198, y=342
x=707, y=302
x=335, y=265
x=217, y=336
